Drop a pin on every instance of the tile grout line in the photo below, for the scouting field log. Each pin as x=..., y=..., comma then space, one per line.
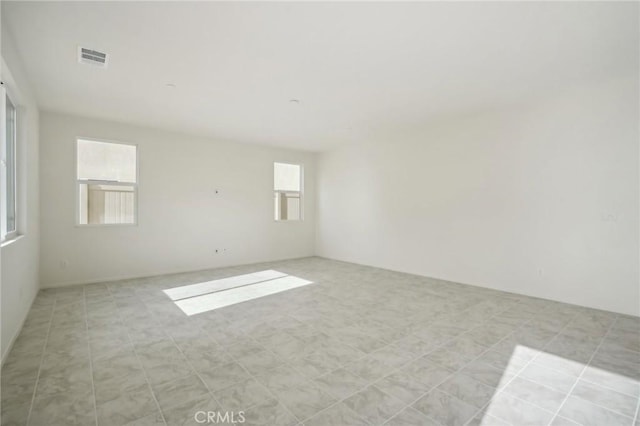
x=194, y=370
x=234, y=360
x=44, y=351
x=584, y=367
x=135, y=352
x=342, y=366
x=86, y=323
x=521, y=369
x=558, y=391
x=287, y=363
x=419, y=357
x=392, y=371
x=271, y=392
x=605, y=387
x=472, y=360
x=532, y=361
x=490, y=348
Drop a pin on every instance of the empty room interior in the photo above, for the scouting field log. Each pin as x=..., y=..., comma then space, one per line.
x=320, y=213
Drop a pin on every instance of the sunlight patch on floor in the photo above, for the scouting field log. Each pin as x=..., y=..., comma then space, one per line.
x=197, y=298
x=527, y=399
x=207, y=287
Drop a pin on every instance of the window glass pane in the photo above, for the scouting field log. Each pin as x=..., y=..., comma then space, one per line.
x=106, y=161
x=11, y=166
x=286, y=177
x=106, y=204
x=287, y=206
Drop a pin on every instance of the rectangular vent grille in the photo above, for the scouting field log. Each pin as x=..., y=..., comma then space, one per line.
x=93, y=57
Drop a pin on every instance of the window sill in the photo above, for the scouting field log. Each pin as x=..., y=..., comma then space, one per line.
x=8, y=242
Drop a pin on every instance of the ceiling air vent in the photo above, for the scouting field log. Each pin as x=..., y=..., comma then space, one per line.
x=92, y=57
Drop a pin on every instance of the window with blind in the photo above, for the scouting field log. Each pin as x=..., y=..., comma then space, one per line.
x=107, y=183
x=287, y=186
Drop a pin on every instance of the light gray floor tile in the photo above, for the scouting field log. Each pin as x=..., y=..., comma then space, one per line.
x=179, y=391
x=535, y=393
x=516, y=411
x=209, y=360
x=373, y=405
x=403, y=386
x=484, y=419
x=426, y=372
x=66, y=381
x=314, y=365
x=449, y=359
x=126, y=408
x=411, y=417
x=416, y=346
x=359, y=333
x=243, y=395
x=611, y=380
x=548, y=377
x=281, y=378
x=19, y=383
x=566, y=366
x=468, y=390
x=304, y=400
x=191, y=413
x=259, y=362
x=15, y=409
x=337, y=415
x=505, y=362
x=224, y=376
x=615, y=401
x=588, y=414
x=63, y=409
x=487, y=374
x=563, y=421
x=269, y=413
x=115, y=366
x=168, y=372
x=445, y=409
x=370, y=369
x=341, y=383
x=106, y=390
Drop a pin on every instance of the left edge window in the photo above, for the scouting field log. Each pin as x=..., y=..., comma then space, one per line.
x=9, y=218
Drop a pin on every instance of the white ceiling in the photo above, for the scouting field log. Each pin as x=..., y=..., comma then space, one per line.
x=357, y=68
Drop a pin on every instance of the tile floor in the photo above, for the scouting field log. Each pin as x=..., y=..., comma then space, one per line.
x=359, y=346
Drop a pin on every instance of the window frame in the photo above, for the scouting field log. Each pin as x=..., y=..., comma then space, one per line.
x=300, y=193
x=13, y=234
x=78, y=182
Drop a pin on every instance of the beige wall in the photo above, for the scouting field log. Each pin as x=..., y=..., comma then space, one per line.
x=539, y=199
x=19, y=276
x=181, y=219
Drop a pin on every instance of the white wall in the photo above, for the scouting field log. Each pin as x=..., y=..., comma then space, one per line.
x=181, y=221
x=541, y=199
x=19, y=277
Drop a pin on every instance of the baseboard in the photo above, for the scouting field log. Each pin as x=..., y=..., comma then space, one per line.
x=482, y=286
x=17, y=333
x=162, y=272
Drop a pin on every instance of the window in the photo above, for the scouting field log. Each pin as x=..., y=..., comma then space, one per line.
x=9, y=222
x=287, y=186
x=107, y=183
